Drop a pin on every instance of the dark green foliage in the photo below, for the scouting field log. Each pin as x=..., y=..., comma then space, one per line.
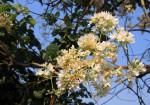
x=18, y=83
x=51, y=52
x=4, y=7
x=17, y=46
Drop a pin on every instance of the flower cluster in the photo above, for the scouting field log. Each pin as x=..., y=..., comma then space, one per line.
x=71, y=60
x=47, y=72
x=130, y=71
x=5, y=22
x=88, y=41
x=94, y=62
x=104, y=22
x=76, y=67
x=136, y=67
x=122, y=36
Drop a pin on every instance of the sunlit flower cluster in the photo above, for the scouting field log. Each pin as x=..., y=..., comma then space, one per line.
x=88, y=41
x=71, y=60
x=94, y=62
x=136, y=67
x=104, y=22
x=47, y=72
x=122, y=36
x=5, y=22
x=133, y=69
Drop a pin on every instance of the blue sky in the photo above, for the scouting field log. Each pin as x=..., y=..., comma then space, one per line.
x=142, y=43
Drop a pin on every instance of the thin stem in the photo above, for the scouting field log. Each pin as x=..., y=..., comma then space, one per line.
x=139, y=97
x=92, y=94
x=145, y=12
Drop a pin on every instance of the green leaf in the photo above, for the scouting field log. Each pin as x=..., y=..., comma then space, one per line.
x=69, y=24
x=21, y=9
x=2, y=34
x=87, y=30
x=51, y=18
x=51, y=51
x=55, y=32
x=37, y=94
x=13, y=47
x=4, y=7
x=29, y=55
x=12, y=17
x=81, y=32
x=80, y=13
x=25, y=38
x=62, y=40
x=84, y=23
x=79, y=101
x=73, y=37
x=30, y=20
x=57, y=14
x=29, y=100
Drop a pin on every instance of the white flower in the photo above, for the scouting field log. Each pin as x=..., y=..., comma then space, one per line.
x=144, y=69
x=104, y=21
x=142, y=66
x=88, y=41
x=105, y=44
x=50, y=67
x=46, y=72
x=97, y=67
x=82, y=53
x=135, y=72
x=59, y=84
x=136, y=67
x=100, y=46
x=122, y=36
x=61, y=74
x=39, y=72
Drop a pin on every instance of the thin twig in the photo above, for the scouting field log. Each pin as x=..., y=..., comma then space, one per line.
x=143, y=30
x=139, y=97
x=145, y=12
x=113, y=96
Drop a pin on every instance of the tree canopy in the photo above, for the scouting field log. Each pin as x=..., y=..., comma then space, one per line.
x=80, y=58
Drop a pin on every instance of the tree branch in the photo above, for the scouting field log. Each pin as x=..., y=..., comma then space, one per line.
x=143, y=30
x=141, y=101
x=145, y=12
x=142, y=74
x=33, y=64
x=86, y=9
x=52, y=100
x=136, y=24
x=36, y=65
x=118, y=4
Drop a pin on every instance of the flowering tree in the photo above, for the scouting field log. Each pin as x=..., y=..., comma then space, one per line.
x=100, y=70
x=81, y=61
